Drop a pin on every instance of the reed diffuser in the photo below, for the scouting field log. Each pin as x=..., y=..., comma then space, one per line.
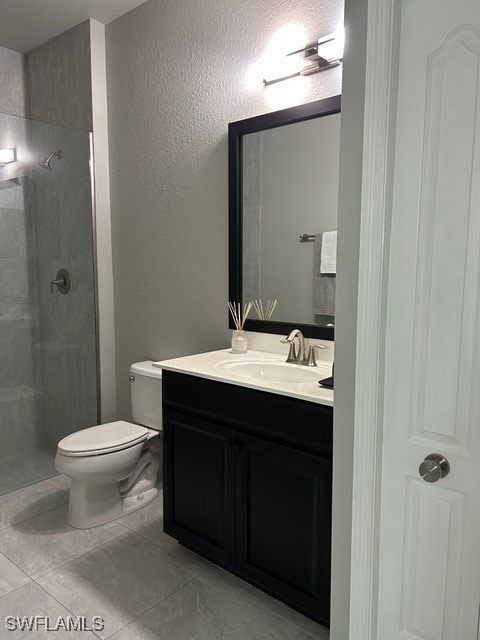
x=239, y=316
x=265, y=312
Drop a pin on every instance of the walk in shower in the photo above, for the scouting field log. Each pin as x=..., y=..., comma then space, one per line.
x=48, y=353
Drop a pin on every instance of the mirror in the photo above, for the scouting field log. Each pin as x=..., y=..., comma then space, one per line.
x=283, y=200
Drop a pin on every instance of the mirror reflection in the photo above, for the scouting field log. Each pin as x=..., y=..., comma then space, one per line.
x=290, y=202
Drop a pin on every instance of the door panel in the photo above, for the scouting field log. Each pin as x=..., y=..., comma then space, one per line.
x=431, y=571
x=429, y=554
x=199, y=485
x=448, y=247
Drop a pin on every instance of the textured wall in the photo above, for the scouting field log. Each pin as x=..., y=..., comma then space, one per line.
x=58, y=80
x=176, y=75
x=12, y=83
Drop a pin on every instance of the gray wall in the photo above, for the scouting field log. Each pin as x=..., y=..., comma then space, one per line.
x=351, y=150
x=176, y=75
x=58, y=80
x=12, y=83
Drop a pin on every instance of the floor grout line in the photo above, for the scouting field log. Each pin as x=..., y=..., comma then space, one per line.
x=16, y=565
x=258, y=603
x=122, y=535
x=61, y=604
x=36, y=514
x=35, y=578
x=253, y=599
x=153, y=606
x=16, y=588
x=33, y=484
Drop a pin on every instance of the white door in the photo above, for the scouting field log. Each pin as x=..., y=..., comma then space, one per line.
x=429, y=583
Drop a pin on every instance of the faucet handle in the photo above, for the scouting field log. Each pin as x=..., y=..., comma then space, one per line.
x=311, y=354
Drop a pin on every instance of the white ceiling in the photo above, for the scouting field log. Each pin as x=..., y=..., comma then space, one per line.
x=24, y=24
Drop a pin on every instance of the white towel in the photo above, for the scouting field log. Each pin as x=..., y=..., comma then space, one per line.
x=328, y=260
x=323, y=284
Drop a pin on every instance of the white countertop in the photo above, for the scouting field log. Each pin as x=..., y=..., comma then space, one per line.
x=209, y=365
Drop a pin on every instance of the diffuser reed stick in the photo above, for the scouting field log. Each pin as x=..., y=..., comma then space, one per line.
x=265, y=313
x=239, y=316
x=271, y=305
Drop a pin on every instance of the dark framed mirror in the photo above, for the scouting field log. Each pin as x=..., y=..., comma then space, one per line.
x=283, y=199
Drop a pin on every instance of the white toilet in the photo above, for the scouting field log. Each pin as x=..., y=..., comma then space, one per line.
x=114, y=466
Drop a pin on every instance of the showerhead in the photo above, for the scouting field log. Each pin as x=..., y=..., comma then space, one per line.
x=45, y=164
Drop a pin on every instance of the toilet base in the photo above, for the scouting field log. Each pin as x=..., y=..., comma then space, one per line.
x=93, y=505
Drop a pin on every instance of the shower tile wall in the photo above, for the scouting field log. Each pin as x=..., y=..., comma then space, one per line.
x=58, y=80
x=66, y=350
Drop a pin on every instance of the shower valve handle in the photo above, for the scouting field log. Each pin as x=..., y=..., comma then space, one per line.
x=62, y=281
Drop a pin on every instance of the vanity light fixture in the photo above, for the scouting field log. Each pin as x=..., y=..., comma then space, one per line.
x=325, y=54
x=7, y=156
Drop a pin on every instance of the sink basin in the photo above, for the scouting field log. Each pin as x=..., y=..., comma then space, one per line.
x=277, y=372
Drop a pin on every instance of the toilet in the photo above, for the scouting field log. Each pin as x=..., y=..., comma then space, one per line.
x=113, y=467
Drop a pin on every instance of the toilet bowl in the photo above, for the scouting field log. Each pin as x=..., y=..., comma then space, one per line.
x=113, y=467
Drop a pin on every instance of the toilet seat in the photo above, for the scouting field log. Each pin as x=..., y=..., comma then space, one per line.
x=104, y=438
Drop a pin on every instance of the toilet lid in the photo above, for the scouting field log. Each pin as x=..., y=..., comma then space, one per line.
x=104, y=438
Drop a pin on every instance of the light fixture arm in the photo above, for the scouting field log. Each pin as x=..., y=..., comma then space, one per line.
x=320, y=56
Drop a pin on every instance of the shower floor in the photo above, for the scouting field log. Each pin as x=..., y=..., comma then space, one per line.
x=19, y=471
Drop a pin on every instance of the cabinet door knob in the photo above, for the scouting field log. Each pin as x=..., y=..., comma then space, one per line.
x=434, y=467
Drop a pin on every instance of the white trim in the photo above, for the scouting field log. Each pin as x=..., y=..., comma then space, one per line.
x=103, y=234
x=381, y=79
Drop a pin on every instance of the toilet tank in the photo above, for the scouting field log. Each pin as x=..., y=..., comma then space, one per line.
x=146, y=394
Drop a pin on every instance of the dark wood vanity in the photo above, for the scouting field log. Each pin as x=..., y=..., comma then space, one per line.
x=248, y=484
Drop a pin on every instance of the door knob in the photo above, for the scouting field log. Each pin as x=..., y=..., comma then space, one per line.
x=434, y=467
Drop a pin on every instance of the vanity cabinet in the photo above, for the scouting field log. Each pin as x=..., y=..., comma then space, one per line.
x=248, y=484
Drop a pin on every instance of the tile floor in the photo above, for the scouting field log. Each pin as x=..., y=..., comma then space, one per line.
x=139, y=580
x=22, y=470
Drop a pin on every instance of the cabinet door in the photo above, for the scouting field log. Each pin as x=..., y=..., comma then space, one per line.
x=284, y=523
x=199, y=486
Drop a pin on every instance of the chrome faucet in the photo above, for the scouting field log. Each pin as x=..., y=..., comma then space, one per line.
x=295, y=355
x=300, y=355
